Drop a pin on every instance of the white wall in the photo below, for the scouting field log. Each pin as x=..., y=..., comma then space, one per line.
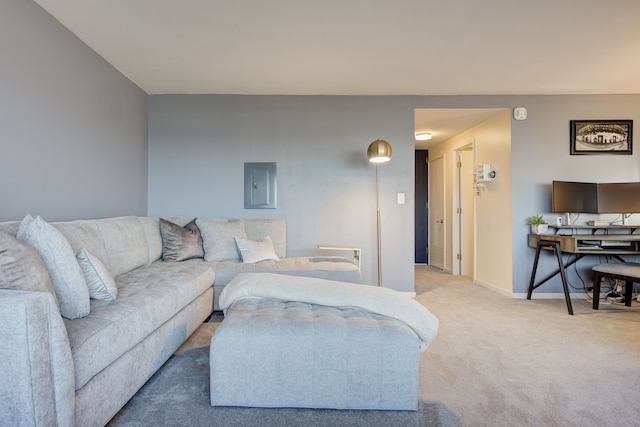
x=493, y=222
x=73, y=138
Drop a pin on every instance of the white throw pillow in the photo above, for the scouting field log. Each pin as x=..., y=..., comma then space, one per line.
x=256, y=250
x=66, y=275
x=99, y=279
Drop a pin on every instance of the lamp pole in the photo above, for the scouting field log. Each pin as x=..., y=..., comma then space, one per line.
x=379, y=151
x=379, y=233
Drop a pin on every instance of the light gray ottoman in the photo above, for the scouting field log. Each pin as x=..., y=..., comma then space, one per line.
x=269, y=353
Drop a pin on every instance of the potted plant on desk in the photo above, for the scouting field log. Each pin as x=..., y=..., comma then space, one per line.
x=538, y=224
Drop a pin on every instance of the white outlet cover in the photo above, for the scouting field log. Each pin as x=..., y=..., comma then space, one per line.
x=520, y=113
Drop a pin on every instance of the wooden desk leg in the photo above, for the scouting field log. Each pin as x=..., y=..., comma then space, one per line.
x=565, y=284
x=534, y=270
x=555, y=247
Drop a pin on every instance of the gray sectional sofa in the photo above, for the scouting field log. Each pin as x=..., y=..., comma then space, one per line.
x=74, y=357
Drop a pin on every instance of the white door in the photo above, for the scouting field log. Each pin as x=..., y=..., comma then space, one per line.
x=436, y=212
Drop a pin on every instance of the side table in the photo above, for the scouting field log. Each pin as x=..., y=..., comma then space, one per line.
x=356, y=251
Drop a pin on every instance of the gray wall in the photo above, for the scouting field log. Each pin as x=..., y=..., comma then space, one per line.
x=198, y=144
x=540, y=154
x=326, y=186
x=73, y=130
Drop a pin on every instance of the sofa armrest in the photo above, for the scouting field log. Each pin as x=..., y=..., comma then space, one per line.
x=36, y=367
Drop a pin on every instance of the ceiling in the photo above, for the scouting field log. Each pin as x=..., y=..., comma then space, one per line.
x=445, y=123
x=364, y=47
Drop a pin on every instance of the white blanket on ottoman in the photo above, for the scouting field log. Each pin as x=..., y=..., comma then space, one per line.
x=386, y=302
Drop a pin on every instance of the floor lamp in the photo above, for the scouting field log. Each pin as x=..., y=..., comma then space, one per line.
x=379, y=151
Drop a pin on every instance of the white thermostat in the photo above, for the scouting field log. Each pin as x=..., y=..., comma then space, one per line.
x=485, y=173
x=519, y=113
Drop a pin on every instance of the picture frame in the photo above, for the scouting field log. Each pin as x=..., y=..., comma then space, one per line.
x=601, y=136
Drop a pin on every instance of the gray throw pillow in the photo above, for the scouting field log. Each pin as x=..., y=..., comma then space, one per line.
x=66, y=275
x=22, y=268
x=180, y=243
x=99, y=279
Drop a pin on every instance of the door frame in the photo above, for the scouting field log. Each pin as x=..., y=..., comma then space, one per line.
x=432, y=233
x=456, y=228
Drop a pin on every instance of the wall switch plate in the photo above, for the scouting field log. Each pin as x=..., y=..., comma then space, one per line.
x=401, y=198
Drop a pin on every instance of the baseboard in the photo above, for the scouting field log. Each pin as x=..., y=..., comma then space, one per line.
x=492, y=288
x=550, y=295
x=409, y=294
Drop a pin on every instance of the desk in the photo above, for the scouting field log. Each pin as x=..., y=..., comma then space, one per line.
x=580, y=245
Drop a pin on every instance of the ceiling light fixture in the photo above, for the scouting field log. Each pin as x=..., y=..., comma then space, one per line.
x=424, y=136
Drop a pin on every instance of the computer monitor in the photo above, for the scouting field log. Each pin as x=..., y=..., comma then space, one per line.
x=574, y=197
x=619, y=197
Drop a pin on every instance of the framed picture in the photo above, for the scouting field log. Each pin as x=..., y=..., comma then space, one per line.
x=601, y=136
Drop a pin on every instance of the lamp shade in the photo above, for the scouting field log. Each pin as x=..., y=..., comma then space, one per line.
x=379, y=151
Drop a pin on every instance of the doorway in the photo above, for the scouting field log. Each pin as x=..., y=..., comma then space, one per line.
x=421, y=214
x=445, y=236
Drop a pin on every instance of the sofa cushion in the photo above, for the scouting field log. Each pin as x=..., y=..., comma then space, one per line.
x=10, y=227
x=84, y=234
x=125, y=243
x=22, y=268
x=151, y=227
x=180, y=243
x=256, y=250
x=99, y=279
x=275, y=228
x=66, y=276
x=218, y=238
x=147, y=298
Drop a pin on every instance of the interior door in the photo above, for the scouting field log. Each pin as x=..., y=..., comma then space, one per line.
x=421, y=212
x=436, y=212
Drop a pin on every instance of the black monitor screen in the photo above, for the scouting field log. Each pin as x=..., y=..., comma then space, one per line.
x=574, y=197
x=619, y=197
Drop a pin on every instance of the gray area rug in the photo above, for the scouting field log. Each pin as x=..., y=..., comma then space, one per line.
x=178, y=395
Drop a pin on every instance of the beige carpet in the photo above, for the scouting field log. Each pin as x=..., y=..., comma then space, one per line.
x=510, y=362
x=513, y=362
